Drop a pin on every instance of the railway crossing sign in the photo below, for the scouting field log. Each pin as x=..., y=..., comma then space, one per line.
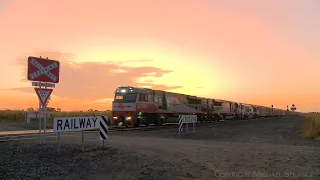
x=43, y=95
x=186, y=119
x=43, y=73
x=69, y=124
x=43, y=70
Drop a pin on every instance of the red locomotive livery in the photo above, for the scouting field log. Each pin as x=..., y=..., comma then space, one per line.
x=135, y=106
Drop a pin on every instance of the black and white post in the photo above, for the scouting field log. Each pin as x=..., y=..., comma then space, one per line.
x=103, y=128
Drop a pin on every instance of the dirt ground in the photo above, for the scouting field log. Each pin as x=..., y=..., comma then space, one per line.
x=256, y=149
x=9, y=126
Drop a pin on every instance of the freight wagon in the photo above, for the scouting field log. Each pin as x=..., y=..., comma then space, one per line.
x=135, y=106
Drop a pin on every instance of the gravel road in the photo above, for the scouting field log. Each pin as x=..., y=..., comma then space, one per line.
x=257, y=149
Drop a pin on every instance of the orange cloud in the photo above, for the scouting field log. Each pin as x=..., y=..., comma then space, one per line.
x=92, y=81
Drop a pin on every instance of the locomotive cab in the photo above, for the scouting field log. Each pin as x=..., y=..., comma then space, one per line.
x=132, y=106
x=124, y=106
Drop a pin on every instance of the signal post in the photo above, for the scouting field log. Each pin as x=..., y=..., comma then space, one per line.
x=44, y=73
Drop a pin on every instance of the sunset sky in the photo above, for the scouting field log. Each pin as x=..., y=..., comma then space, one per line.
x=262, y=52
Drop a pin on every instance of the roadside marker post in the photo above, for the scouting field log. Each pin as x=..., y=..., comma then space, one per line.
x=73, y=124
x=103, y=129
x=187, y=119
x=43, y=73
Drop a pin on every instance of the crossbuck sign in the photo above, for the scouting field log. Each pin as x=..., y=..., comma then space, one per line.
x=43, y=70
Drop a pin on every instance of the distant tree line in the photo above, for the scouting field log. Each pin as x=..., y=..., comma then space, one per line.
x=51, y=109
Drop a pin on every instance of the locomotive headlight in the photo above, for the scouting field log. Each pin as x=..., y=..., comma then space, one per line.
x=129, y=118
x=123, y=90
x=114, y=117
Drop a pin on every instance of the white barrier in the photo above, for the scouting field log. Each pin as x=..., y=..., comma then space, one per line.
x=187, y=119
x=35, y=115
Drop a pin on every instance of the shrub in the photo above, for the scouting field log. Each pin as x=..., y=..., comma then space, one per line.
x=12, y=115
x=311, y=126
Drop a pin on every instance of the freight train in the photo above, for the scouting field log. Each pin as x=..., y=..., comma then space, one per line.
x=135, y=106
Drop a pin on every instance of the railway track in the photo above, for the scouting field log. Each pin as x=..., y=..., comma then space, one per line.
x=34, y=134
x=50, y=134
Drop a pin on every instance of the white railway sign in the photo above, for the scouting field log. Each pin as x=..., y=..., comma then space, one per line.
x=66, y=124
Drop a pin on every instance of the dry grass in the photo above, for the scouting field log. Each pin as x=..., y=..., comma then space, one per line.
x=19, y=115
x=311, y=126
x=12, y=115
